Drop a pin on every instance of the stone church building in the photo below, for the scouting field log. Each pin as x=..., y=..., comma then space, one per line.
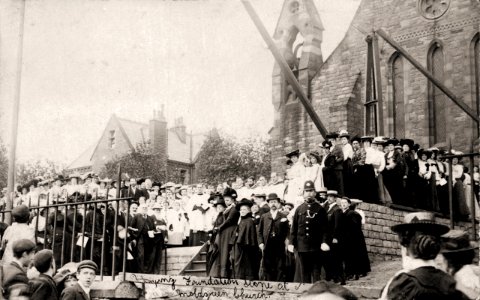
x=176, y=148
x=443, y=35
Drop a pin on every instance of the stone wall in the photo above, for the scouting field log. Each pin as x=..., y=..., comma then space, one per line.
x=338, y=88
x=381, y=242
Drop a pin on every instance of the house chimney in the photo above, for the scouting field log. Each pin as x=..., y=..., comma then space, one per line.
x=158, y=134
x=180, y=129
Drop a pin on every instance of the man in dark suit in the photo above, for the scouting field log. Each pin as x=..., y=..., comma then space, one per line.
x=263, y=206
x=15, y=280
x=309, y=236
x=86, y=276
x=134, y=191
x=143, y=231
x=272, y=232
x=43, y=286
x=333, y=263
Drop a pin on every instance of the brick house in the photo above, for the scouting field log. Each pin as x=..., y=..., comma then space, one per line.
x=176, y=148
x=442, y=35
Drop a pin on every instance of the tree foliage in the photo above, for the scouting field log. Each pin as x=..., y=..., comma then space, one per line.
x=41, y=168
x=142, y=162
x=223, y=157
x=3, y=165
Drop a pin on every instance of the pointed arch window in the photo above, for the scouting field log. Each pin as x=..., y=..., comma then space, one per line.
x=436, y=98
x=398, y=101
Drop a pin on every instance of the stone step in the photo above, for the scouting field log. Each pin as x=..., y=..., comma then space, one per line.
x=197, y=272
x=198, y=265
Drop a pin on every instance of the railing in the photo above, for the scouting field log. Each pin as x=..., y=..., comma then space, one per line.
x=83, y=229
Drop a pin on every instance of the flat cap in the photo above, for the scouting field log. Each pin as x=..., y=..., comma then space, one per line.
x=89, y=264
x=23, y=245
x=43, y=260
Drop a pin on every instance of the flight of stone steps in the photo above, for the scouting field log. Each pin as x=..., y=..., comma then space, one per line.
x=198, y=265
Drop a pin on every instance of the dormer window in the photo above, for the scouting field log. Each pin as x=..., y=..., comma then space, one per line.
x=111, y=139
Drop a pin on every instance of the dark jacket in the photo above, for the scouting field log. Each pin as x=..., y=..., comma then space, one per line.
x=129, y=193
x=334, y=215
x=142, y=224
x=309, y=227
x=14, y=276
x=269, y=228
x=74, y=293
x=424, y=283
x=43, y=287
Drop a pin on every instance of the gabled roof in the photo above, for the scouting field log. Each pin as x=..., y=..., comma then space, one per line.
x=84, y=159
x=137, y=132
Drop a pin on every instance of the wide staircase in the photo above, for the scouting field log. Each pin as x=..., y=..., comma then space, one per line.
x=197, y=266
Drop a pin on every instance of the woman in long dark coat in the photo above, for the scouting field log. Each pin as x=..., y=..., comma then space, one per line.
x=57, y=236
x=226, y=231
x=245, y=251
x=213, y=253
x=393, y=173
x=411, y=166
x=355, y=253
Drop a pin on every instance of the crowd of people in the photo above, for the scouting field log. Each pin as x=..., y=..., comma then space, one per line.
x=384, y=171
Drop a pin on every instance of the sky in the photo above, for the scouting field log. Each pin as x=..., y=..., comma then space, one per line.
x=204, y=60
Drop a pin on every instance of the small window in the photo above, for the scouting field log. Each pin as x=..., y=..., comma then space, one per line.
x=111, y=139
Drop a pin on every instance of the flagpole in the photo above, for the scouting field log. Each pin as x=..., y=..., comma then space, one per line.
x=16, y=108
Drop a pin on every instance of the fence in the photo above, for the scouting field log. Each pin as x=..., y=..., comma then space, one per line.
x=86, y=232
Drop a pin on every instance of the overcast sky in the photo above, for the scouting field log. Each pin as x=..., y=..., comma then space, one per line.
x=203, y=59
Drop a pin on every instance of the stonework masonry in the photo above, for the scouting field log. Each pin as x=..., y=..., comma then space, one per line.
x=337, y=90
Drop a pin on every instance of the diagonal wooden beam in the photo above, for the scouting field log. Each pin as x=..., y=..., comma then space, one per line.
x=459, y=102
x=292, y=80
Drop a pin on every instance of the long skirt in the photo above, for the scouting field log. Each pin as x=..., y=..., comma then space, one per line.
x=460, y=208
x=245, y=261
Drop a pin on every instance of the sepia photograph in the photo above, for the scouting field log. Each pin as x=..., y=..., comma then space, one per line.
x=239, y=149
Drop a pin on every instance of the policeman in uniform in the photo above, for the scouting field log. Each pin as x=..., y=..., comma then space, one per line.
x=309, y=236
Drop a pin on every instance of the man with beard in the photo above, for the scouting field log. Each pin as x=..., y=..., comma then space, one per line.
x=309, y=236
x=142, y=229
x=272, y=232
x=158, y=240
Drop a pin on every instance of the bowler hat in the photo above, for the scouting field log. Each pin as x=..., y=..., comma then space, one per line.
x=89, y=264
x=244, y=202
x=273, y=196
x=20, y=246
x=293, y=153
x=421, y=221
x=457, y=241
x=43, y=260
x=309, y=185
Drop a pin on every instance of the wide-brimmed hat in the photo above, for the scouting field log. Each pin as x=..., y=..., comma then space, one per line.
x=289, y=204
x=408, y=142
x=392, y=141
x=366, y=138
x=327, y=144
x=293, y=153
x=244, y=202
x=379, y=140
x=273, y=196
x=421, y=221
x=316, y=155
x=220, y=202
x=457, y=241
x=356, y=138
x=229, y=192
x=344, y=133
x=421, y=152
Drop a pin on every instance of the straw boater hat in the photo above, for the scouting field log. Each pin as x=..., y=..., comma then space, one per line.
x=368, y=138
x=379, y=140
x=332, y=193
x=421, y=221
x=456, y=241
